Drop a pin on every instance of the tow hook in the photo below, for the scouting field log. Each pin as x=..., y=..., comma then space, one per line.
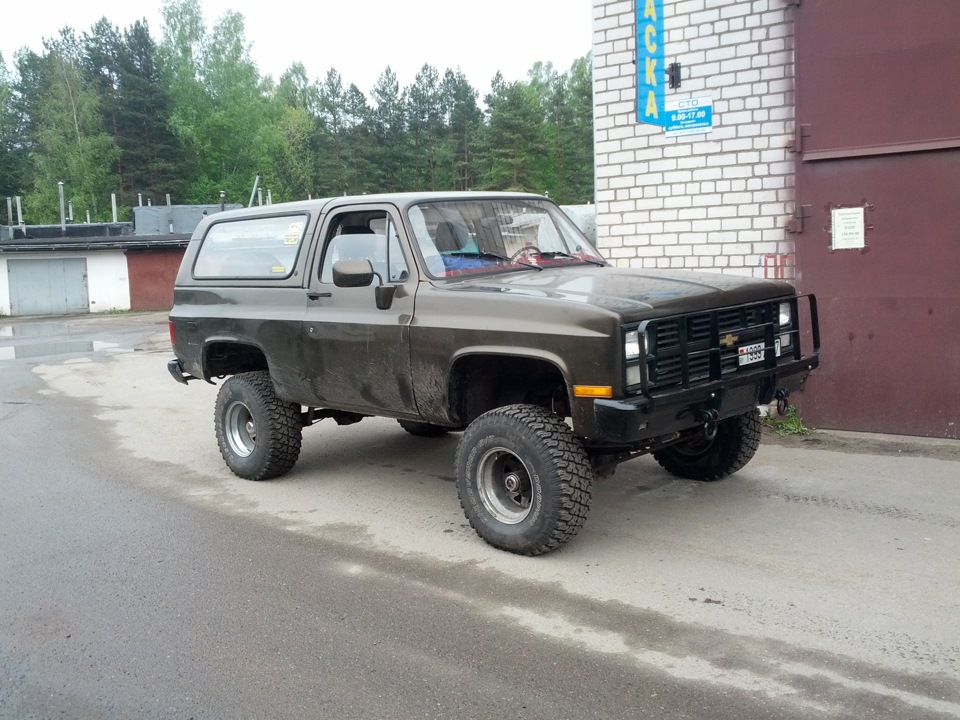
x=709, y=418
x=782, y=405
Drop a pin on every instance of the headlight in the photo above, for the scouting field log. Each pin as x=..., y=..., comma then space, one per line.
x=631, y=345
x=786, y=315
x=786, y=323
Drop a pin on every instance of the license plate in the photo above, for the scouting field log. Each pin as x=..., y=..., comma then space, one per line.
x=748, y=354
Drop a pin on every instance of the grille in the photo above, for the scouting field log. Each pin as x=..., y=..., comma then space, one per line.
x=689, y=349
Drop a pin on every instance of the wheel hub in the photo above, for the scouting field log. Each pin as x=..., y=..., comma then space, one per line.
x=504, y=485
x=240, y=430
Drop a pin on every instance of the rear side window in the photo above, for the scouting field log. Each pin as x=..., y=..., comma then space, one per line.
x=256, y=248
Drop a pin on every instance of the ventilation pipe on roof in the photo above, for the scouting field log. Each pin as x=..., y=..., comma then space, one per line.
x=63, y=214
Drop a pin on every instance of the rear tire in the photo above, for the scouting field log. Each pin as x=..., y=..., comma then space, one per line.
x=259, y=435
x=422, y=429
x=523, y=479
x=697, y=458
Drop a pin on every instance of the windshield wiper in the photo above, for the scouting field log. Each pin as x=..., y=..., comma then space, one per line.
x=558, y=253
x=493, y=255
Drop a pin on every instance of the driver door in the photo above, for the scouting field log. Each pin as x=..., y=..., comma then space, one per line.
x=357, y=356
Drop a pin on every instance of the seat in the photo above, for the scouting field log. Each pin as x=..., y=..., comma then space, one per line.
x=447, y=237
x=355, y=230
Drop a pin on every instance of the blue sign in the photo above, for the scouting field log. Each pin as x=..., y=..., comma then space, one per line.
x=690, y=116
x=651, y=72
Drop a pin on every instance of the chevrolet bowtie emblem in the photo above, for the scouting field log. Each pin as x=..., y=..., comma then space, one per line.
x=729, y=340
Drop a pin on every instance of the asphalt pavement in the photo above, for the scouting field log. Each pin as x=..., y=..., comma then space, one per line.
x=139, y=578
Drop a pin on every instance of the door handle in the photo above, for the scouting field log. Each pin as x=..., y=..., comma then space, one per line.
x=318, y=295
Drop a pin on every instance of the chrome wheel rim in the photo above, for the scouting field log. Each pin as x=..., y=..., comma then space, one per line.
x=241, y=430
x=504, y=485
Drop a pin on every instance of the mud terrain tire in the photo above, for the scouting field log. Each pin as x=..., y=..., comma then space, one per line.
x=523, y=479
x=259, y=435
x=697, y=458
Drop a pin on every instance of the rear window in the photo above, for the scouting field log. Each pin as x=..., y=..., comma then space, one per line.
x=256, y=248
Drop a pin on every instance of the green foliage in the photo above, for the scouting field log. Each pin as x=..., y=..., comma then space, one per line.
x=69, y=141
x=790, y=424
x=515, y=140
x=14, y=162
x=116, y=112
x=136, y=106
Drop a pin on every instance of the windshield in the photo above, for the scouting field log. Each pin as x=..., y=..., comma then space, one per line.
x=457, y=237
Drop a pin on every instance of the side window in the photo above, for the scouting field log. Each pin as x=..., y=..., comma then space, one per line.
x=252, y=248
x=365, y=236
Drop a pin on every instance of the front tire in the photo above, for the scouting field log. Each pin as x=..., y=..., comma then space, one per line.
x=259, y=435
x=523, y=479
x=697, y=458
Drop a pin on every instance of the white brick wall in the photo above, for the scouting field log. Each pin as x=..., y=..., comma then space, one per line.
x=717, y=201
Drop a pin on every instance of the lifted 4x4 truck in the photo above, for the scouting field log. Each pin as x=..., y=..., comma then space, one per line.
x=486, y=313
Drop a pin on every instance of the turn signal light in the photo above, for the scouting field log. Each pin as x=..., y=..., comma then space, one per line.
x=594, y=391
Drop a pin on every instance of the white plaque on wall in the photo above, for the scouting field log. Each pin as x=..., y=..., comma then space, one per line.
x=847, y=228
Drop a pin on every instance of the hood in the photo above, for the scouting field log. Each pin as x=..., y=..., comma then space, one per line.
x=632, y=293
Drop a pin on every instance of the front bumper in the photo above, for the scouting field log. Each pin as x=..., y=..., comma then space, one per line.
x=637, y=420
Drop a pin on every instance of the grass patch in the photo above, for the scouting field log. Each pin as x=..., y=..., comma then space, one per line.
x=789, y=424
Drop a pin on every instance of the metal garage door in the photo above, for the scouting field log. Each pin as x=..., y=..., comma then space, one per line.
x=878, y=196
x=48, y=287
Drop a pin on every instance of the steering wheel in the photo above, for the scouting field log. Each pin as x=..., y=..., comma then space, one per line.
x=524, y=250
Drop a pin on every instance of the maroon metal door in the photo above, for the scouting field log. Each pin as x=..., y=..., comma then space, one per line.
x=878, y=127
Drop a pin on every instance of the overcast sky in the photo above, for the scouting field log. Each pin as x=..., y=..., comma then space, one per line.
x=359, y=38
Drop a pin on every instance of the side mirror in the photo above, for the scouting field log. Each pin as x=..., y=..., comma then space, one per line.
x=384, y=295
x=352, y=273
x=360, y=273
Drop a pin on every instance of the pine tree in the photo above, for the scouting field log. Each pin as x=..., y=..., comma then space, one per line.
x=13, y=150
x=464, y=125
x=514, y=138
x=391, y=155
x=425, y=130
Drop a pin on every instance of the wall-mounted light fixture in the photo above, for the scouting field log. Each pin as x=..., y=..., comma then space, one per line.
x=673, y=75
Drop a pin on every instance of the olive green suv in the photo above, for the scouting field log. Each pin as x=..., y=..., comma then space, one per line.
x=488, y=314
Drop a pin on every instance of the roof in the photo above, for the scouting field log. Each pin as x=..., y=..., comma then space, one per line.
x=87, y=244
x=403, y=199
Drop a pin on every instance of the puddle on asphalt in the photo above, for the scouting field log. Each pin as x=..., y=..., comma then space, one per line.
x=64, y=347
x=32, y=329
